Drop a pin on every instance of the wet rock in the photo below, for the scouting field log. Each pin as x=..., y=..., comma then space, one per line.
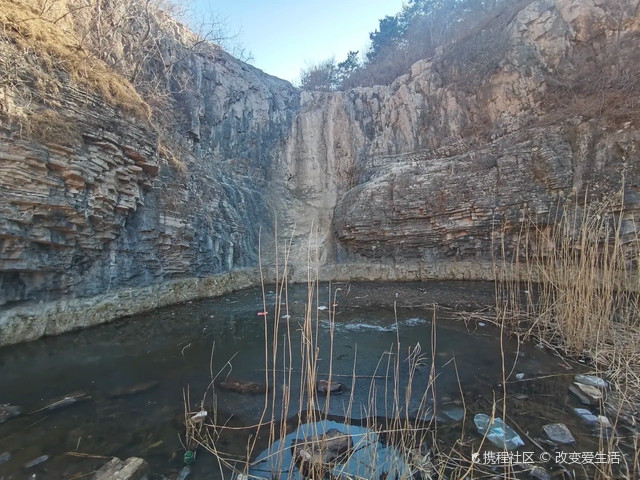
x=323, y=387
x=586, y=415
x=592, y=393
x=131, y=469
x=591, y=380
x=585, y=399
x=559, y=433
x=242, y=387
x=134, y=390
x=5, y=457
x=8, y=412
x=36, y=461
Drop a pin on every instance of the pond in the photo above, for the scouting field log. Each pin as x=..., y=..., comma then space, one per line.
x=130, y=377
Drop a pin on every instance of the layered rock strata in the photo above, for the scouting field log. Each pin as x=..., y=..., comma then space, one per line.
x=424, y=178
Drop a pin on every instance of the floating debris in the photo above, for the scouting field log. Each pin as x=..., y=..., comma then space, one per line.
x=285, y=317
x=68, y=399
x=184, y=473
x=498, y=433
x=559, y=433
x=242, y=387
x=131, y=469
x=591, y=380
x=135, y=389
x=199, y=417
x=36, y=461
x=519, y=376
x=322, y=307
x=314, y=455
x=7, y=412
x=369, y=458
x=324, y=387
x=5, y=457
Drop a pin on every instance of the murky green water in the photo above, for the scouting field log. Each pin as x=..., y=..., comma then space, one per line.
x=173, y=347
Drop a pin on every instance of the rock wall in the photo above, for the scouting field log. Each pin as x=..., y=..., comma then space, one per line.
x=418, y=179
x=524, y=115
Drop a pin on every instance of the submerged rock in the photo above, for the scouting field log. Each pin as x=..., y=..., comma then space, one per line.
x=559, y=433
x=497, y=432
x=323, y=387
x=591, y=380
x=9, y=411
x=242, y=387
x=131, y=469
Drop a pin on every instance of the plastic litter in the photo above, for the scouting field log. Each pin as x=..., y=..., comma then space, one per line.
x=189, y=457
x=5, y=457
x=498, y=433
x=184, y=473
x=370, y=457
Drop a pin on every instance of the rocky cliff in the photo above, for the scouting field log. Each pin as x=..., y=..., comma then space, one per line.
x=533, y=109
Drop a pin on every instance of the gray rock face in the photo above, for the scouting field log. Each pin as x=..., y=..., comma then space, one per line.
x=429, y=171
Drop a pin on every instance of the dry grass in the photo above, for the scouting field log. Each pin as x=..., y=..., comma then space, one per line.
x=49, y=126
x=581, y=287
x=58, y=48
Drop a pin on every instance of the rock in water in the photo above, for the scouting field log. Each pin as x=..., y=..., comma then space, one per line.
x=559, y=433
x=324, y=387
x=131, y=469
x=243, y=387
x=591, y=380
x=586, y=415
x=9, y=411
x=581, y=396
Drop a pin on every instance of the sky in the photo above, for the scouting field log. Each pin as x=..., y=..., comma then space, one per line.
x=285, y=36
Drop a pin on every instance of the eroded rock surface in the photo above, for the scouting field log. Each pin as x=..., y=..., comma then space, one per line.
x=429, y=174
